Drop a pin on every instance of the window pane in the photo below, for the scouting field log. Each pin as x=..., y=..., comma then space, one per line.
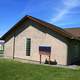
x=28, y=46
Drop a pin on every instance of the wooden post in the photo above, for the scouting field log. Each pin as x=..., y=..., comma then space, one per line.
x=49, y=59
x=40, y=58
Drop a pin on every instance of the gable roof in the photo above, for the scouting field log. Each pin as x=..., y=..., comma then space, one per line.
x=74, y=31
x=44, y=24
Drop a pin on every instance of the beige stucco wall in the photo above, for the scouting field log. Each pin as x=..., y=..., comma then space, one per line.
x=8, y=48
x=38, y=38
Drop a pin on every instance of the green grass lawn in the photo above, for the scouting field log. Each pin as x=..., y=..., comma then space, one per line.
x=13, y=70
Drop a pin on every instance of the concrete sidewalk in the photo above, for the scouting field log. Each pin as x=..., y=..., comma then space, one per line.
x=75, y=67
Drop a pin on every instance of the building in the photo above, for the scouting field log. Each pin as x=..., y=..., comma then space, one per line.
x=35, y=40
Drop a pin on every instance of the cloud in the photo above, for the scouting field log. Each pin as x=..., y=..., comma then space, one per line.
x=67, y=6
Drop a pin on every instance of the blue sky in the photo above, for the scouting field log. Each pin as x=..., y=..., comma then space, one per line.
x=63, y=13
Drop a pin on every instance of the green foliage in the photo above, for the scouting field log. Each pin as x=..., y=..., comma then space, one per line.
x=1, y=51
x=12, y=70
x=1, y=47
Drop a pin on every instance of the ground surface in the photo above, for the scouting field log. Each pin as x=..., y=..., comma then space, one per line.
x=13, y=70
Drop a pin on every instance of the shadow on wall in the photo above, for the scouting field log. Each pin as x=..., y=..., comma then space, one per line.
x=74, y=52
x=48, y=31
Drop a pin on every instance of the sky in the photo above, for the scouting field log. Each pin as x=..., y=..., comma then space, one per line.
x=63, y=13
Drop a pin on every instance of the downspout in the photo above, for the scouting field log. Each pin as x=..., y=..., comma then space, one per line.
x=14, y=46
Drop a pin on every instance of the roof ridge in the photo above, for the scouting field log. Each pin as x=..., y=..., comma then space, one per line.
x=54, y=26
x=41, y=22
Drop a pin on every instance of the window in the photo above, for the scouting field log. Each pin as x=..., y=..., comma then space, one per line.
x=28, y=46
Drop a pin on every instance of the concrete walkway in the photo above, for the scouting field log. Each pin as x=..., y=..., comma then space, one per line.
x=75, y=67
